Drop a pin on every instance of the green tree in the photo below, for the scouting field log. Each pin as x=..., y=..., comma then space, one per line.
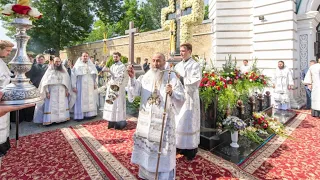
x=151, y=14
x=108, y=11
x=206, y=12
x=131, y=13
x=64, y=23
x=99, y=28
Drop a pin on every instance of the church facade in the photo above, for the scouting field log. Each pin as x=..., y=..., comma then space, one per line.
x=269, y=30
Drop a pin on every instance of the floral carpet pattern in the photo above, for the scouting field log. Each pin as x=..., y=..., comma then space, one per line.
x=91, y=151
x=42, y=156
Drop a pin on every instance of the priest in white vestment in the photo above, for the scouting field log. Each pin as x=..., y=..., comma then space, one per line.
x=312, y=79
x=115, y=110
x=54, y=88
x=282, y=84
x=188, y=120
x=153, y=88
x=245, y=67
x=5, y=50
x=84, y=83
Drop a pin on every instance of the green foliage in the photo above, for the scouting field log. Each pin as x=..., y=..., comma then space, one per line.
x=227, y=99
x=99, y=28
x=151, y=14
x=64, y=23
x=229, y=85
x=110, y=61
x=206, y=12
x=109, y=11
x=253, y=136
x=207, y=97
x=133, y=108
x=229, y=66
x=117, y=14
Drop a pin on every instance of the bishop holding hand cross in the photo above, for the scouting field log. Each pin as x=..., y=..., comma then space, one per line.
x=162, y=97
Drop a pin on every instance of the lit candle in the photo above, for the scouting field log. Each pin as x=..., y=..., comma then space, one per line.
x=24, y=2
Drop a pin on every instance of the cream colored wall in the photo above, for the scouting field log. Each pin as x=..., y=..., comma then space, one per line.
x=146, y=44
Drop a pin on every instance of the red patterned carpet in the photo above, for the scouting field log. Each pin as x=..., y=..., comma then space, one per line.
x=91, y=151
x=42, y=156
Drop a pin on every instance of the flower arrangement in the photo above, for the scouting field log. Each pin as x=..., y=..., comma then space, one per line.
x=20, y=10
x=164, y=13
x=229, y=85
x=260, y=120
x=252, y=134
x=233, y=123
x=196, y=17
x=268, y=124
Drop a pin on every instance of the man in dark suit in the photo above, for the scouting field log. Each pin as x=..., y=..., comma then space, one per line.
x=35, y=74
x=308, y=91
x=146, y=65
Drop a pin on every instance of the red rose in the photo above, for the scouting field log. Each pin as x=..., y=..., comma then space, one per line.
x=230, y=82
x=218, y=88
x=225, y=86
x=201, y=85
x=21, y=9
x=213, y=83
x=265, y=126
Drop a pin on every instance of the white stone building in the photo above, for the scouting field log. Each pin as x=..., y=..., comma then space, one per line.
x=270, y=30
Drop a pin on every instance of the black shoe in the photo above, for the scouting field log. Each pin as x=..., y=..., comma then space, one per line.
x=111, y=124
x=178, y=151
x=190, y=154
x=120, y=125
x=4, y=147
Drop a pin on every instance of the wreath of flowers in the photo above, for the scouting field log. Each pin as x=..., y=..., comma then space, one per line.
x=21, y=10
x=269, y=124
x=196, y=17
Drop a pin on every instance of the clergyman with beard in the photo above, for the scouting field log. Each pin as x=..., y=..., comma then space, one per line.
x=282, y=84
x=153, y=88
x=55, y=88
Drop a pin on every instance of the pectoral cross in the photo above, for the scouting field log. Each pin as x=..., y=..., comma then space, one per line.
x=154, y=98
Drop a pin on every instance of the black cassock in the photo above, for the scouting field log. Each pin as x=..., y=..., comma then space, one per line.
x=35, y=74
